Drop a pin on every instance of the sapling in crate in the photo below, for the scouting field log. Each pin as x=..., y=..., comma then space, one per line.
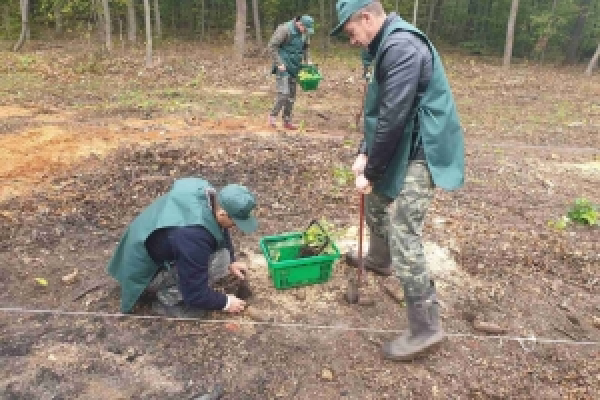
x=316, y=239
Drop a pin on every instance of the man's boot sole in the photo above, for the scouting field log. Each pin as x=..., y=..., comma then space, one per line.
x=431, y=345
x=173, y=312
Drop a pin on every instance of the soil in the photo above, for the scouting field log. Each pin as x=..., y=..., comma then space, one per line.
x=88, y=142
x=308, y=251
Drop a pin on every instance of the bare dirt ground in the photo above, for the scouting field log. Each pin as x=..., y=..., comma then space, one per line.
x=88, y=141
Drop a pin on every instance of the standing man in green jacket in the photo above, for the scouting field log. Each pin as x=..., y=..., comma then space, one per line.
x=288, y=47
x=179, y=246
x=413, y=142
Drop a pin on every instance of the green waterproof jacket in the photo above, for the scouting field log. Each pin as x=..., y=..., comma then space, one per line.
x=439, y=127
x=291, y=48
x=187, y=203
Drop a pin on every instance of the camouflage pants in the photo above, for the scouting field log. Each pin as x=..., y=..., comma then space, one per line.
x=285, y=85
x=166, y=282
x=400, y=223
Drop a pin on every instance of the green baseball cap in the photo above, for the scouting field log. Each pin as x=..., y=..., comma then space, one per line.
x=308, y=23
x=345, y=9
x=239, y=202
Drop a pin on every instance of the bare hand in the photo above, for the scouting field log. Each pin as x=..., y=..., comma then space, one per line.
x=359, y=164
x=235, y=305
x=363, y=185
x=238, y=269
x=281, y=67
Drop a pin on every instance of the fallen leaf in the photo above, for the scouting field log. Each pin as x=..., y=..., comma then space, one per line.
x=366, y=301
x=327, y=374
x=41, y=281
x=231, y=327
x=573, y=319
x=70, y=278
x=489, y=327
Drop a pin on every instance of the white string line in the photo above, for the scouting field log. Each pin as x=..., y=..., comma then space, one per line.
x=521, y=340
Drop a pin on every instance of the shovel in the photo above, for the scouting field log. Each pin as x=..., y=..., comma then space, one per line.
x=352, y=295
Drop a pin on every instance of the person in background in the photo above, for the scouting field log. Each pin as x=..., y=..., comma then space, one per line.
x=288, y=47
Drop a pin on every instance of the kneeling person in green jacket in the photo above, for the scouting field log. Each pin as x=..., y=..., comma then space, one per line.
x=179, y=246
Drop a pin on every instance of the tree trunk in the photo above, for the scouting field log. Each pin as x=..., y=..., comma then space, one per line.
x=121, y=34
x=593, y=62
x=415, y=12
x=256, y=17
x=577, y=33
x=131, y=22
x=510, y=33
x=468, y=23
x=97, y=16
x=550, y=23
x=6, y=19
x=240, y=29
x=331, y=21
x=438, y=25
x=148, y=18
x=107, y=25
x=29, y=13
x=58, y=21
x=157, y=26
x=431, y=15
x=323, y=31
x=174, y=18
x=24, y=24
x=202, y=19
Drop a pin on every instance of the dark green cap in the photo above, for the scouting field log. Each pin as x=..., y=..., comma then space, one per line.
x=239, y=202
x=308, y=23
x=345, y=9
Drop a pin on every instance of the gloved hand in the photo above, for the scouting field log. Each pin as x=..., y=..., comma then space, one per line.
x=359, y=164
x=362, y=184
x=234, y=305
x=238, y=269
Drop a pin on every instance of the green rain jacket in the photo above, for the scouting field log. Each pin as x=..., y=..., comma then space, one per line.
x=288, y=46
x=187, y=203
x=439, y=126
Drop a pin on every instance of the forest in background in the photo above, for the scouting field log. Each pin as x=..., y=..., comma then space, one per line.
x=557, y=31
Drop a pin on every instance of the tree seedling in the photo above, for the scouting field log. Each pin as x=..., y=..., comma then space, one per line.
x=583, y=212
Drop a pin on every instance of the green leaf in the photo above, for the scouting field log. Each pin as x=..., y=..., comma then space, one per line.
x=41, y=281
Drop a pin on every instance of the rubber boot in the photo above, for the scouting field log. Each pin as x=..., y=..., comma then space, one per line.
x=179, y=310
x=377, y=258
x=425, y=330
x=289, y=126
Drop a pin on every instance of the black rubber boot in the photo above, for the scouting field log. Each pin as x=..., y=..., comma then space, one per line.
x=178, y=310
x=377, y=258
x=425, y=330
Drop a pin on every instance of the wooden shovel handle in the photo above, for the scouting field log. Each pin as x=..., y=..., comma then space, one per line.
x=361, y=228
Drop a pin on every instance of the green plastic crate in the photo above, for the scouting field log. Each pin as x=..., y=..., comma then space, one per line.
x=286, y=270
x=312, y=82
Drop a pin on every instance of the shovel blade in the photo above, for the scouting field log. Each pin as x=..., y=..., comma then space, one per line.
x=351, y=295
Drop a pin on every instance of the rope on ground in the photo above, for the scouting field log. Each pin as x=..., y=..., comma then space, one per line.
x=340, y=327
